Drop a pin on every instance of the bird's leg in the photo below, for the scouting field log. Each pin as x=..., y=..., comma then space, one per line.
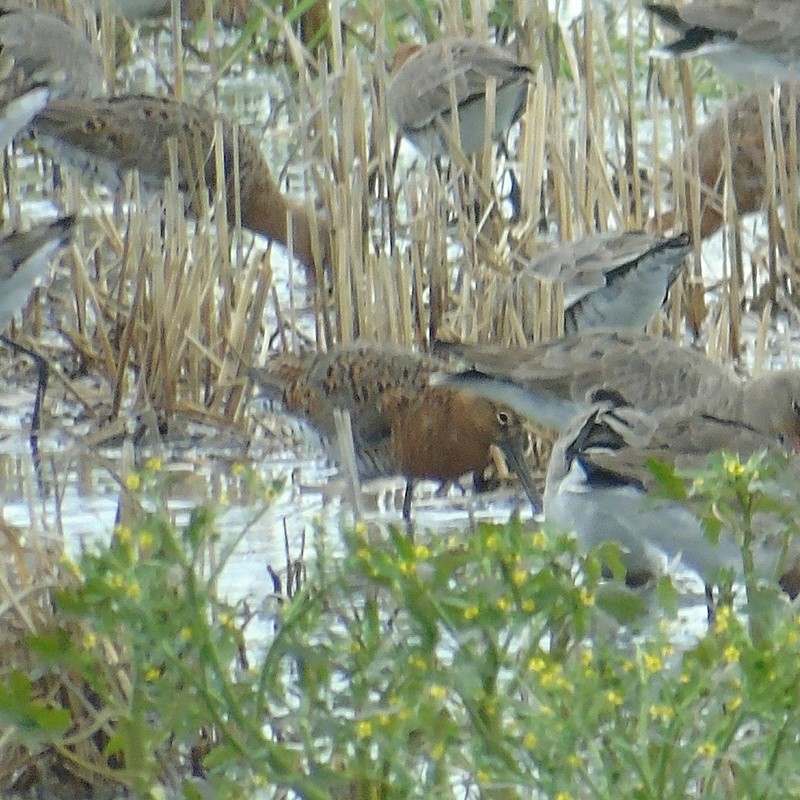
x=41, y=386
x=407, y=498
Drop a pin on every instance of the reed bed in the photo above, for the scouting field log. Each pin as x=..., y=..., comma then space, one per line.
x=166, y=311
x=163, y=315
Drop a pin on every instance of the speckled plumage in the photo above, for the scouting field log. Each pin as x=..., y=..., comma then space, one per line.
x=401, y=425
x=109, y=137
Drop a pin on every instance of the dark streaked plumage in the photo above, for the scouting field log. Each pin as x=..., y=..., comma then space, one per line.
x=109, y=137
x=401, y=426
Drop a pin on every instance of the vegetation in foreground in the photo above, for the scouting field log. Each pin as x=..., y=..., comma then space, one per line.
x=479, y=666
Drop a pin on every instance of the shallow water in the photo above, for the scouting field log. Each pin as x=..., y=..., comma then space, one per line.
x=77, y=498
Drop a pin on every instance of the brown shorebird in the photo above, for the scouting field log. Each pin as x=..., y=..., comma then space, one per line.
x=610, y=280
x=619, y=400
x=401, y=426
x=427, y=80
x=548, y=382
x=745, y=132
x=25, y=258
x=109, y=137
x=755, y=41
x=41, y=58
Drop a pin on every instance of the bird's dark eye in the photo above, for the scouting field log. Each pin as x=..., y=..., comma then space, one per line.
x=502, y=417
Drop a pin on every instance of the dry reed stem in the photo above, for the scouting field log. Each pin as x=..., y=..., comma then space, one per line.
x=409, y=255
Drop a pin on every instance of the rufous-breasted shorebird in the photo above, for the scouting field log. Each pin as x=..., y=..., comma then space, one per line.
x=401, y=426
x=748, y=169
x=109, y=137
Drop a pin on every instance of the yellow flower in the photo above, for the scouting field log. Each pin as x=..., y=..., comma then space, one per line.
x=133, y=590
x=722, y=620
x=574, y=760
x=89, y=640
x=537, y=664
x=707, y=750
x=437, y=692
x=539, y=540
x=528, y=606
x=438, y=751
x=614, y=698
x=470, y=612
x=384, y=719
x=587, y=598
x=405, y=567
x=146, y=540
x=586, y=657
x=133, y=481
x=652, y=663
x=733, y=466
x=152, y=674
x=154, y=464
x=238, y=469
x=503, y=604
x=186, y=633
x=491, y=541
x=364, y=729
x=421, y=551
x=663, y=712
x=563, y=796
x=416, y=661
x=518, y=577
x=115, y=581
x=482, y=776
x=731, y=654
x=122, y=533
x=361, y=529
x=734, y=703
x=529, y=740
